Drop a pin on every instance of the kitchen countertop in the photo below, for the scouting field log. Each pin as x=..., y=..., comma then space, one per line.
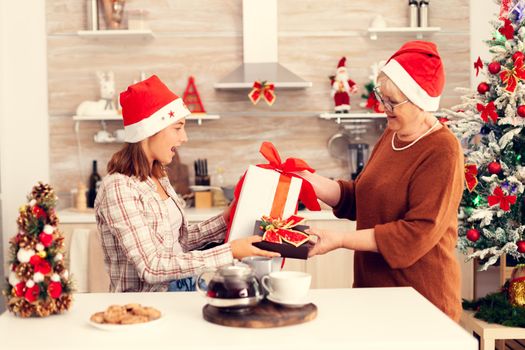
x=73, y=216
x=363, y=318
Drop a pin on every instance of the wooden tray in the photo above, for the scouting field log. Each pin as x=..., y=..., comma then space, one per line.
x=265, y=315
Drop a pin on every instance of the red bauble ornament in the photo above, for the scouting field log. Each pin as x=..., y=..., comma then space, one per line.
x=45, y=239
x=54, y=289
x=494, y=167
x=472, y=235
x=31, y=294
x=494, y=67
x=517, y=55
x=521, y=111
x=483, y=88
x=19, y=289
x=521, y=246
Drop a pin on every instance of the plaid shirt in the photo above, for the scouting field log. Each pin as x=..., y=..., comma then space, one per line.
x=139, y=246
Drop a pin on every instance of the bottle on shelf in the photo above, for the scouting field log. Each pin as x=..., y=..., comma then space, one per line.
x=412, y=13
x=92, y=7
x=423, y=13
x=94, y=183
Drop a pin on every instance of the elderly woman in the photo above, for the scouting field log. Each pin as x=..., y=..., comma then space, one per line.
x=146, y=238
x=406, y=199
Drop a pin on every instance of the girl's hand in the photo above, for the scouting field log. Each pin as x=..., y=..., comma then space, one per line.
x=243, y=247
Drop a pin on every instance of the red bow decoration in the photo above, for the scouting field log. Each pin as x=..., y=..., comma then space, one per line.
x=499, y=197
x=306, y=195
x=512, y=76
x=277, y=230
x=507, y=29
x=264, y=90
x=478, y=65
x=488, y=111
x=471, y=176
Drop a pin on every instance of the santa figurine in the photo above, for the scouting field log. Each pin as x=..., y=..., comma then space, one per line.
x=342, y=87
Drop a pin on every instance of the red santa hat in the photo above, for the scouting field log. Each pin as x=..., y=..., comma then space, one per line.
x=417, y=70
x=342, y=62
x=148, y=107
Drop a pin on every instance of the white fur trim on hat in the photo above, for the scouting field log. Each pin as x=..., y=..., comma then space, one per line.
x=156, y=122
x=413, y=91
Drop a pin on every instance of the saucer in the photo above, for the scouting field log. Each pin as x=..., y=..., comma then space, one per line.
x=288, y=303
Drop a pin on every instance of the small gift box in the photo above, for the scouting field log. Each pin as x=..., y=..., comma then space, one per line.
x=286, y=237
x=270, y=189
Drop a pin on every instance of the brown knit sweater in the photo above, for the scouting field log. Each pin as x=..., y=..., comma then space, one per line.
x=411, y=199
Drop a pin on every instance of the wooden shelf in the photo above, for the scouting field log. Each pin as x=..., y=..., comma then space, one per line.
x=418, y=31
x=341, y=117
x=116, y=34
x=199, y=117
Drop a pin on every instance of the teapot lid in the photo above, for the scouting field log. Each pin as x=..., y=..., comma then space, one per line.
x=237, y=270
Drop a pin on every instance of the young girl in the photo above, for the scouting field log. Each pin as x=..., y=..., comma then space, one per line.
x=145, y=235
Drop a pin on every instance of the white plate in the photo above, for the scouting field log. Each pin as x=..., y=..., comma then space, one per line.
x=292, y=303
x=125, y=327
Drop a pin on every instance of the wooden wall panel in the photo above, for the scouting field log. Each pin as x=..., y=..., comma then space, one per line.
x=204, y=38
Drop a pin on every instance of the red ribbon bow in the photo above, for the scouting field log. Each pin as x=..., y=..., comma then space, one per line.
x=498, y=196
x=512, y=76
x=507, y=29
x=264, y=90
x=488, y=111
x=277, y=230
x=478, y=65
x=471, y=176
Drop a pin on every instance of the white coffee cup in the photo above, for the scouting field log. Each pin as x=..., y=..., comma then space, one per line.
x=263, y=266
x=287, y=285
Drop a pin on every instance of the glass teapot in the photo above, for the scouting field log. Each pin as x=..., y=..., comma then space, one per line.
x=231, y=286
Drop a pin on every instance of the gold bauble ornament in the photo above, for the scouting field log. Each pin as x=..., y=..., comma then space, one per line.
x=42, y=254
x=517, y=286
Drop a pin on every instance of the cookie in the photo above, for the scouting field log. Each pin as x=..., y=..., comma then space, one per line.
x=97, y=317
x=152, y=313
x=133, y=319
x=114, y=314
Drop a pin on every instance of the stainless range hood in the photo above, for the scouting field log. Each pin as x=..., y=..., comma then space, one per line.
x=260, y=51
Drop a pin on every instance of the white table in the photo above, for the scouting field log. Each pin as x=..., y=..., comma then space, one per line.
x=379, y=318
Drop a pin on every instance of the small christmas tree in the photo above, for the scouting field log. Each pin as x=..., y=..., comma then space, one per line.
x=38, y=282
x=490, y=123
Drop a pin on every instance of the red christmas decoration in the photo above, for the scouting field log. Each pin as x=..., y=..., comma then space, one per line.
x=45, y=239
x=192, y=98
x=31, y=294
x=478, y=65
x=494, y=67
x=473, y=235
x=38, y=212
x=488, y=111
x=499, y=197
x=518, y=55
x=494, y=167
x=471, y=176
x=521, y=246
x=263, y=90
x=511, y=76
x=54, y=289
x=521, y=111
x=507, y=29
x=483, y=88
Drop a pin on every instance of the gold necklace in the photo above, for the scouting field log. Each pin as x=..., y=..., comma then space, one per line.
x=413, y=142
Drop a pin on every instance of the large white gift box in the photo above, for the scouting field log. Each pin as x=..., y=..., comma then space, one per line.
x=264, y=192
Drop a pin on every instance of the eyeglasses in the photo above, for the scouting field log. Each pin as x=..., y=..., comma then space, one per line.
x=389, y=107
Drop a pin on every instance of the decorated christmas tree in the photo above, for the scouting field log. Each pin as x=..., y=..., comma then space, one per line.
x=38, y=281
x=490, y=124
x=371, y=100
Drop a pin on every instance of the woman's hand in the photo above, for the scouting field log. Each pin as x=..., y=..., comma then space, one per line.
x=326, y=242
x=243, y=247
